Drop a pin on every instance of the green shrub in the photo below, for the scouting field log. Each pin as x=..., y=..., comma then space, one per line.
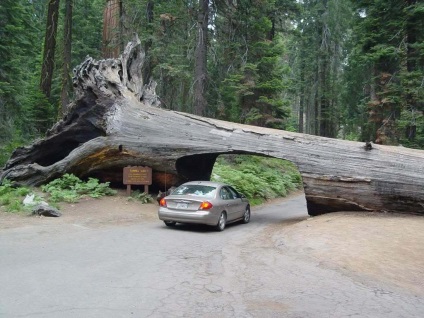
x=70, y=188
x=143, y=197
x=5, y=199
x=7, y=148
x=15, y=205
x=23, y=191
x=258, y=178
x=12, y=197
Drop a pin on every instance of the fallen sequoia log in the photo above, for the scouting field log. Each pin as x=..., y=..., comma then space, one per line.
x=116, y=121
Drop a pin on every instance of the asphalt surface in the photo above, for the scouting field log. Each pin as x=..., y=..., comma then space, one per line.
x=149, y=270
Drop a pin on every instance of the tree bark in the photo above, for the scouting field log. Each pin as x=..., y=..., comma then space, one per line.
x=67, y=48
x=116, y=121
x=200, y=68
x=112, y=28
x=412, y=30
x=324, y=118
x=148, y=67
x=302, y=92
x=49, y=48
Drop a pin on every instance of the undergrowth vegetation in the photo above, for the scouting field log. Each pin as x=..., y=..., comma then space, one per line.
x=70, y=188
x=143, y=197
x=12, y=197
x=258, y=178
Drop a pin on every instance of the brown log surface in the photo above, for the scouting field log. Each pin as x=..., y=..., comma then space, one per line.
x=116, y=121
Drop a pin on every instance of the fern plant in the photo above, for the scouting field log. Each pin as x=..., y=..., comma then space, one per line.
x=11, y=197
x=143, y=197
x=70, y=188
x=258, y=178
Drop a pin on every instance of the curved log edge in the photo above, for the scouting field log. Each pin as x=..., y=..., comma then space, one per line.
x=116, y=121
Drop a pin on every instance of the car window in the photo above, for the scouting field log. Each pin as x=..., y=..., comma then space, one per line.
x=234, y=193
x=195, y=190
x=225, y=194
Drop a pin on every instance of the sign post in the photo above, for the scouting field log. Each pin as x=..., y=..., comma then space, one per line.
x=137, y=175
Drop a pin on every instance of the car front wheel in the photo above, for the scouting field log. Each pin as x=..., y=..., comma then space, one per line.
x=221, y=222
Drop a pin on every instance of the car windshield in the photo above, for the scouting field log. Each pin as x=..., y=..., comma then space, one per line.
x=195, y=189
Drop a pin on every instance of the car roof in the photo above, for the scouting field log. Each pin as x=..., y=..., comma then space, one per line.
x=206, y=183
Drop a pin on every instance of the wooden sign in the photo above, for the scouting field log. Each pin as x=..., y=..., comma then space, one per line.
x=137, y=175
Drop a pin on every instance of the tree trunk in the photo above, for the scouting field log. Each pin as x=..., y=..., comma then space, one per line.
x=200, y=68
x=148, y=67
x=67, y=46
x=324, y=118
x=112, y=28
x=302, y=93
x=412, y=29
x=115, y=122
x=49, y=48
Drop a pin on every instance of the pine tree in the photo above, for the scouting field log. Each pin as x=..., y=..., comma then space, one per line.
x=49, y=47
x=411, y=123
x=18, y=50
x=200, y=59
x=252, y=67
x=322, y=32
x=389, y=43
x=112, y=29
x=167, y=31
x=86, y=30
x=67, y=56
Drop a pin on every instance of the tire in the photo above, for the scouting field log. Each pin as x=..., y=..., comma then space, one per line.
x=222, y=222
x=169, y=223
x=246, y=216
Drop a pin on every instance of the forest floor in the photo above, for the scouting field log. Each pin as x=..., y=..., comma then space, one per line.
x=382, y=246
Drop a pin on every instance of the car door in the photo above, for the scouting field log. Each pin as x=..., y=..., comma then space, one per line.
x=239, y=205
x=228, y=199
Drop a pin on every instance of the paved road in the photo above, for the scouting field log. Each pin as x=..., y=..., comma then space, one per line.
x=148, y=270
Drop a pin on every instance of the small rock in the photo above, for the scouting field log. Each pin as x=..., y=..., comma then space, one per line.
x=44, y=210
x=29, y=199
x=213, y=288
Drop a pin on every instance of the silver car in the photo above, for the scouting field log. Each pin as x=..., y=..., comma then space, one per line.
x=204, y=202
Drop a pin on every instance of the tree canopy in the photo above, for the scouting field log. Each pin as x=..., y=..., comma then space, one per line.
x=335, y=68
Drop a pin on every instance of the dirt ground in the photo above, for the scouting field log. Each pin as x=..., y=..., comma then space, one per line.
x=386, y=247
x=107, y=211
x=383, y=247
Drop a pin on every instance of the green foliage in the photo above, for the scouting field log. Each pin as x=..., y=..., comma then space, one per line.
x=170, y=45
x=258, y=178
x=41, y=114
x=384, y=93
x=18, y=48
x=24, y=111
x=267, y=59
x=7, y=148
x=143, y=197
x=87, y=29
x=319, y=53
x=15, y=206
x=12, y=197
x=411, y=127
x=70, y=188
x=253, y=93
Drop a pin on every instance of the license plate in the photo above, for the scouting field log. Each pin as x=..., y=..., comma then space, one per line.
x=182, y=205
